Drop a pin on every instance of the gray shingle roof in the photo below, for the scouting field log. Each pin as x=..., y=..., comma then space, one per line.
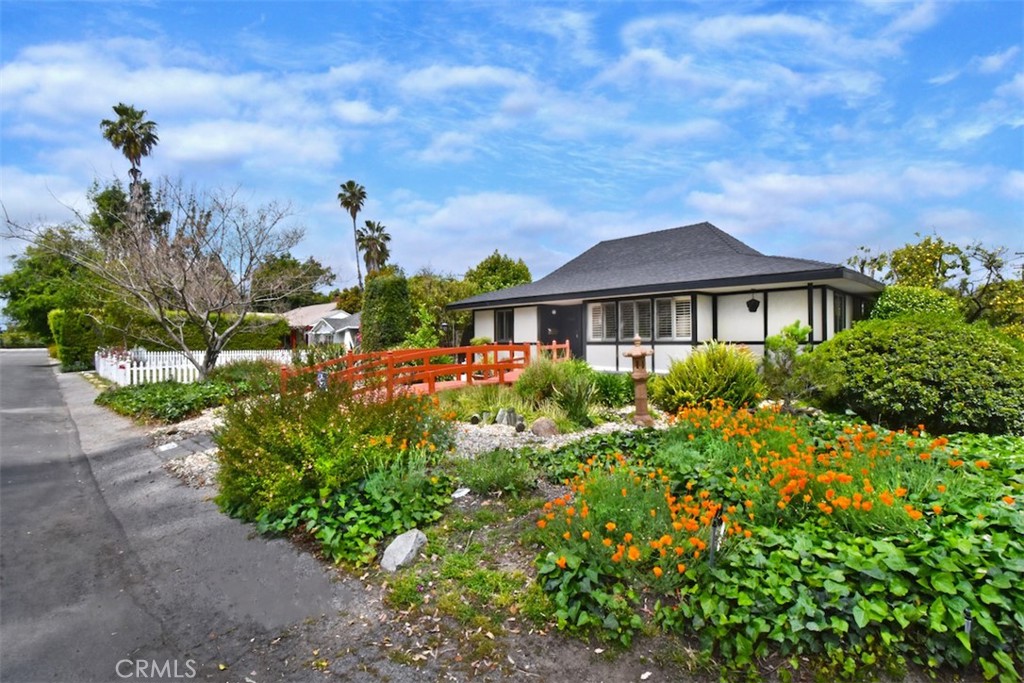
x=688, y=257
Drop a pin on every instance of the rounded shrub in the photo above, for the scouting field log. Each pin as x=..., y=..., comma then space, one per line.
x=714, y=371
x=899, y=300
x=944, y=374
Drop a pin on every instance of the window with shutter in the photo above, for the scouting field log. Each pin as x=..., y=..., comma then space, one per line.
x=602, y=322
x=683, y=319
x=672, y=319
x=627, y=320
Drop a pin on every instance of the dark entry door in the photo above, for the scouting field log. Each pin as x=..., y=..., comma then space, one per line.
x=558, y=323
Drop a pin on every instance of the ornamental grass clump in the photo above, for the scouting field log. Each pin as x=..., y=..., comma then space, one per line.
x=714, y=372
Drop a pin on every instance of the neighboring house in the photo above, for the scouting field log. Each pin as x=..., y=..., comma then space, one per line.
x=302, y=319
x=676, y=289
x=340, y=328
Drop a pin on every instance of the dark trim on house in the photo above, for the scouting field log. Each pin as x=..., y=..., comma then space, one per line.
x=694, y=317
x=810, y=308
x=667, y=288
x=824, y=313
x=714, y=316
x=764, y=317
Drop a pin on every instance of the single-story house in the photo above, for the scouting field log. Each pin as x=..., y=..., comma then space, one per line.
x=302, y=319
x=676, y=289
x=337, y=328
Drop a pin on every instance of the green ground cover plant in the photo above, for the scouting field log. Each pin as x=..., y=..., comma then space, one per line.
x=500, y=472
x=165, y=401
x=172, y=401
x=834, y=547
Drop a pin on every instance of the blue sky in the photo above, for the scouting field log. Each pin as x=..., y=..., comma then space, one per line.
x=802, y=128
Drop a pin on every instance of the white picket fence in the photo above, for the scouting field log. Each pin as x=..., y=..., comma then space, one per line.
x=140, y=367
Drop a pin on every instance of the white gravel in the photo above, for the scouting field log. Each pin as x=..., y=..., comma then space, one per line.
x=200, y=469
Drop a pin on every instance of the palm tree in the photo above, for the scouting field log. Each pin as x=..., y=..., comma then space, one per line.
x=131, y=134
x=373, y=240
x=351, y=198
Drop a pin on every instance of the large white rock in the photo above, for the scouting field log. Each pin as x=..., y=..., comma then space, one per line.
x=403, y=550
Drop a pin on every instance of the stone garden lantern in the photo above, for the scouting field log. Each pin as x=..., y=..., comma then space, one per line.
x=639, y=355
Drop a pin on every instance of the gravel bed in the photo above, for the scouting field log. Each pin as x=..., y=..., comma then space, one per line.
x=200, y=469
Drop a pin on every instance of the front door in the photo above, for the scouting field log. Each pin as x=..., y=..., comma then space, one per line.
x=558, y=323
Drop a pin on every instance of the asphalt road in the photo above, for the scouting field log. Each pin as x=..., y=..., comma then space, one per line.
x=111, y=570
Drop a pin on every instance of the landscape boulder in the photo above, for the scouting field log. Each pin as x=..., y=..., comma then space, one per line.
x=403, y=550
x=544, y=426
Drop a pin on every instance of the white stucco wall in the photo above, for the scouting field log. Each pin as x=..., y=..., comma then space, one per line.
x=483, y=324
x=602, y=356
x=785, y=308
x=704, y=319
x=735, y=322
x=664, y=354
x=819, y=333
x=525, y=325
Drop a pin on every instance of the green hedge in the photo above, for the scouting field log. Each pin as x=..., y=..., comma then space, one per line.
x=260, y=331
x=899, y=300
x=387, y=312
x=944, y=374
x=77, y=335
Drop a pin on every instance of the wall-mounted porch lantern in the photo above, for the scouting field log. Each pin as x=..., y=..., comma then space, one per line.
x=753, y=303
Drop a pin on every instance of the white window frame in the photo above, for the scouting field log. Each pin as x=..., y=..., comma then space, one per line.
x=680, y=318
x=603, y=322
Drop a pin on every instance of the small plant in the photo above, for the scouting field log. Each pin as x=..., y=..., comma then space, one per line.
x=614, y=389
x=501, y=472
x=785, y=369
x=248, y=377
x=164, y=401
x=575, y=394
x=716, y=371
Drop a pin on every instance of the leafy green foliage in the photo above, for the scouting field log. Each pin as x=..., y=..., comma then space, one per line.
x=786, y=369
x=20, y=339
x=936, y=372
x=310, y=274
x=349, y=523
x=277, y=450
x=614, y=389
x=127, y=330
x=40, y=281
x=499, y=471
x=248, y=377
x=942, y=590
x=714, y=371
x=165, y=401
x=387, y=312
x=900, y=300
x=77, y=336
x=572, y=385
x=498, y=271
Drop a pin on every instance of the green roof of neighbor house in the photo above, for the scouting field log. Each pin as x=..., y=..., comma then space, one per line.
x=688, y=258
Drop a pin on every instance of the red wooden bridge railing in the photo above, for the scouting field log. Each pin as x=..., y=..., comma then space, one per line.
x=428, y=370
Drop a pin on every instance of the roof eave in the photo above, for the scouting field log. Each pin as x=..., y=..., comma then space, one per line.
x=836, y=273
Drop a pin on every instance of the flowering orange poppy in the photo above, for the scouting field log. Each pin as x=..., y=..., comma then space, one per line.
x=1008, y=500
x=541, y=523
x=634, y=553
x=610, y=526
x=981, y=464
x=658, y=572
x=607, y=542
x=680, y=568
x=586, y=535
x=627, y=537
x=560, y=562
x=567, y=535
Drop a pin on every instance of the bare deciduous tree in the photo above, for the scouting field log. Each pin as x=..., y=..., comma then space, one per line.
x=194, y=268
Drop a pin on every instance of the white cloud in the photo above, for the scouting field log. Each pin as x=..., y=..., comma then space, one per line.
x=703, y=129
x=990, y=64
x=451, y=147
x=1013, y=185
x=260, y=144
x=435, y=79
x=921, y=17
x=40, y=198
x=361, y=113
